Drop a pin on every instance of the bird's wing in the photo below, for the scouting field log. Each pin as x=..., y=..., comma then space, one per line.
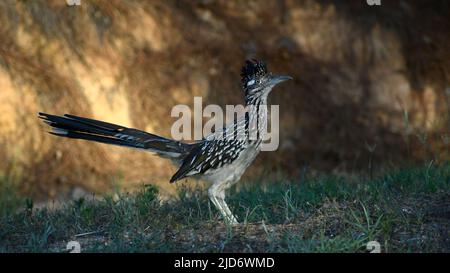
x=209, y=155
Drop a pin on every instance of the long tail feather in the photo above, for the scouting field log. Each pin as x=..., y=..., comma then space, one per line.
x=71, y=126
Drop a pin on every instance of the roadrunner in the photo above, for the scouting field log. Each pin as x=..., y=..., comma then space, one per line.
x=218, y=158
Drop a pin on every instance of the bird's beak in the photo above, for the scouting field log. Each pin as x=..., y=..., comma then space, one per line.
x=276, y=79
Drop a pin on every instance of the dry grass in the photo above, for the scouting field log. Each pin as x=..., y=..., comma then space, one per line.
x=405, y=211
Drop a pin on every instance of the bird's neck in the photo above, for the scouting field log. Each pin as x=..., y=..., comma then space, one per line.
x=257, y=117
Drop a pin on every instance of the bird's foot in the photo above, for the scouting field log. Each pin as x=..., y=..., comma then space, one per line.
x=231, y=221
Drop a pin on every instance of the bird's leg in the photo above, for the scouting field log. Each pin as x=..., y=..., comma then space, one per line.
x=213, y=198
x=217, y=195
x=231, y=218
x=223, y=188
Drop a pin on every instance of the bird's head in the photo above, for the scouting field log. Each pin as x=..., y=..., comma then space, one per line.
x=257, y=81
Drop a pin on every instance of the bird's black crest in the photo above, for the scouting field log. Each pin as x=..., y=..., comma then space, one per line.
x=252, y=70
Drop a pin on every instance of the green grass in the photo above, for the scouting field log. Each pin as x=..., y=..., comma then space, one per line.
x=405, y=211
x=9, y=200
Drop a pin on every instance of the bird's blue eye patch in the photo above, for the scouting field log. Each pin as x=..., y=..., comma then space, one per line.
x=252, y=82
